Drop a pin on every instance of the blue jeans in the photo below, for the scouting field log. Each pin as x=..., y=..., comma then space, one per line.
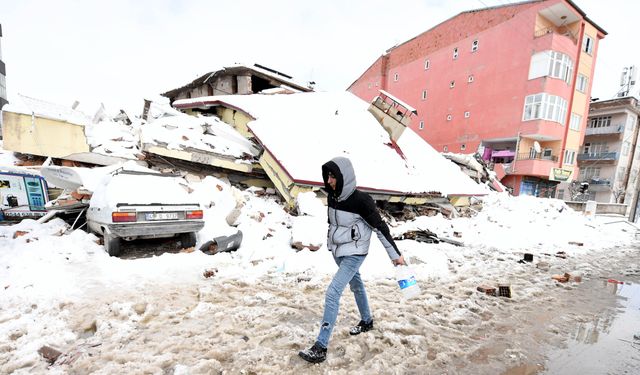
x=348, y=273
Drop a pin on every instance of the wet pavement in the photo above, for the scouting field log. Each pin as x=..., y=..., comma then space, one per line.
x=605, y=344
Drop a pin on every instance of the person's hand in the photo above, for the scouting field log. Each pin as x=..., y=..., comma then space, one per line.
x=399, y=262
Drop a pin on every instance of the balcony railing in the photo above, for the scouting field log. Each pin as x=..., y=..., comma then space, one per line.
x=615, y=129
x=553, y=30
x=599, y=156
x=537, y=156
x=599, y=181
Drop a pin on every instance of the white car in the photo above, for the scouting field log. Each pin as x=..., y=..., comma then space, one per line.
x=132, y=205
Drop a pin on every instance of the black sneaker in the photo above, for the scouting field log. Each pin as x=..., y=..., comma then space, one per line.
x=361, y=327
x=315, y=354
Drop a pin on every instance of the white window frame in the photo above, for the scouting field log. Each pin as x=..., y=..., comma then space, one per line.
x=599, y=122
x=424, y=94
x=463, y=147
x=470, y=78
x=449, y=117
x=475, y=45
x=569, y=157
x=396, y=77
x=427, y=64
x=543, y=106
x=581, y=83
x=467, y=114
x=551, y=63
x=587, y=44
x=575, y=122
x=452, y=84
x=445, y=148
x=421, y=125
x=455, y=53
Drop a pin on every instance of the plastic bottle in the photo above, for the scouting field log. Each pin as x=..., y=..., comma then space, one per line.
x=407, y=282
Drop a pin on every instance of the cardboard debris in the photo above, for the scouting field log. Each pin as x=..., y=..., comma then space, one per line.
x=562, y=278
x=19, y=233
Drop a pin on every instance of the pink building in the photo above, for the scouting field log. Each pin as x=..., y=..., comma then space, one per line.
x=512, y=82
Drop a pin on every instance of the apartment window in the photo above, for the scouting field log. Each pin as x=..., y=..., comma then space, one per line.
x=600, y=122
x=396, y=77
x=574, y=123
x=463, y=147
x=547, y=153
x=588, y=173
x=449, y=117
x=560, y=194
x=424, y=94
x=369, y=85
x=467, y=114
x=581, y=83
x=551, y=63
x=569, y=157
x=445, y=149
x=470, y=78
x=545, y=107
x=421, y=126
x=587, y=44
x=595, y=148
x=474, y=45
x=427, y=64
x=452, y=84
x=455, y=53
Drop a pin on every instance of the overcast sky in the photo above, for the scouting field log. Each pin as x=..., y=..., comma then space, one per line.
x=118, y=51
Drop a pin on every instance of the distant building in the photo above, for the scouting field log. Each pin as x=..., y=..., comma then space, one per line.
x=3, y=74
x=237, y=80
x=609, y=158
x=512, y=82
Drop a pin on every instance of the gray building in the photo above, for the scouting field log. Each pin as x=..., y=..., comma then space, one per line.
x=609, y=158
x=3, y=74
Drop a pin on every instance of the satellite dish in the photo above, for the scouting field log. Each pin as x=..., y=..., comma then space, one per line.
x=536, y=146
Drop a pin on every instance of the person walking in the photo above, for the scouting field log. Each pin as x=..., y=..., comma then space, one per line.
x=353, y=217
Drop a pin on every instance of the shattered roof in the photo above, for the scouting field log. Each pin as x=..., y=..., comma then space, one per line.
x=305, y=130
x=256, y=69
x=207, y=134
x=41, y=108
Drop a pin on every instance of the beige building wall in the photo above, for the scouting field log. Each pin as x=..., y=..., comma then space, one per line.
x=41, y=136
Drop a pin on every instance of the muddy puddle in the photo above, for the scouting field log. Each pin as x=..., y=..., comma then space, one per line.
x=606, y=343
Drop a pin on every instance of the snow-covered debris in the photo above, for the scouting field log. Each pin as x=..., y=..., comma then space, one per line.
x=7, y=157
x=114, y=138
x=209, y=134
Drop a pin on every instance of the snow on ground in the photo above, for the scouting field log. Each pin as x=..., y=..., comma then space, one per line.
x=6, y=157
x=264, y=301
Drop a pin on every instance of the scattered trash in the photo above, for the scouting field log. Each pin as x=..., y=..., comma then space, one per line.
x=49, y=353
x=426, y=236
x=210, y=272
x=636, y=336
x=504, y=290
x=489, y=290
x=300, y=246
x=561, y=254
x=528, y=257
x=457, y=234
x=562, y=278
x=576, y=243
x=614, y=281
x=222, y=244
x=577, y=279
x=19, y=233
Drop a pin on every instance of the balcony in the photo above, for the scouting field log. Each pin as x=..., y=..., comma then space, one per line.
x=564, y=31
x=607, y=130
x=598, y=184
x=533, y=165
x=537, y=156
x=600, y=156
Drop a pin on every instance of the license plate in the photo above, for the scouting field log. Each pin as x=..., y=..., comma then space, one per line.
x=162, y=216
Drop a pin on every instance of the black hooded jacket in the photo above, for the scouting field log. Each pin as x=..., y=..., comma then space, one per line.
x=352, y=214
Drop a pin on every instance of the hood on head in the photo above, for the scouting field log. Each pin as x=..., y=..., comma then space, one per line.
x=342, y=169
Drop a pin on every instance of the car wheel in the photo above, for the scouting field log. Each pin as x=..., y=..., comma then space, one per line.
x=112, y=245
x=188, y=240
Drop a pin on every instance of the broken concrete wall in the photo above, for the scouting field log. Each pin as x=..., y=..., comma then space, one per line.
x=41, y=136
x=244, y=84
